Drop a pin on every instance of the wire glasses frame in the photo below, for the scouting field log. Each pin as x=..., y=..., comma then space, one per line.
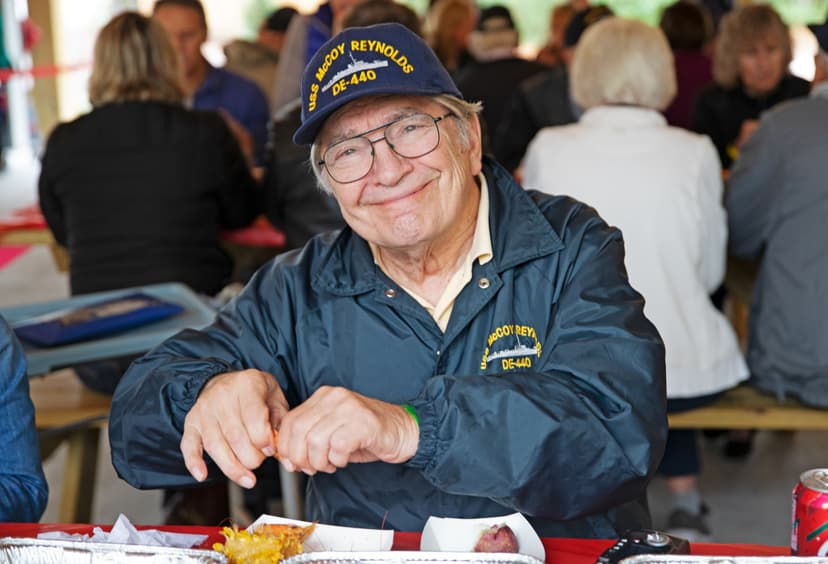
x=411, y=136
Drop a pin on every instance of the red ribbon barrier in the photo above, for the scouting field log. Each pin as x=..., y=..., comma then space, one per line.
x=41, y=71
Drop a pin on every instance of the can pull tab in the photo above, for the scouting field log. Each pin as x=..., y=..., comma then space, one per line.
x=821, y=476
x=656, y=538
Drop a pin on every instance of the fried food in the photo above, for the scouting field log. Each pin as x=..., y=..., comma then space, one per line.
x=266, y=544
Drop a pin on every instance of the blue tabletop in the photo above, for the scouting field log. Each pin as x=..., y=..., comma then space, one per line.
x=41, y=360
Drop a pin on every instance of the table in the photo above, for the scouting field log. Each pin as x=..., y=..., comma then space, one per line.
x=41, y=360
x=26, y=226
x=558, y=551
x=65, y=410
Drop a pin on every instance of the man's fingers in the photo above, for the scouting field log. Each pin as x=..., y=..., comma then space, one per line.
x=295, y=432
x=272, y=448
x=257, y=429
x=344, y=443
x=219, y=450
x=244, y=450
x=277, y=406
x=319, y=445
x=193, y=453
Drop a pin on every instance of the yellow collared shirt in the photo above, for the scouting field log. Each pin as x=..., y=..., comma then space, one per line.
x=481, y=249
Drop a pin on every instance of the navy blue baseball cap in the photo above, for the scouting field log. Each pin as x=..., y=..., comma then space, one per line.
x=385, y=58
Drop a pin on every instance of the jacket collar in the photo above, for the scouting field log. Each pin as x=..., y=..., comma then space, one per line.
x=519, y=232
x=622, y=116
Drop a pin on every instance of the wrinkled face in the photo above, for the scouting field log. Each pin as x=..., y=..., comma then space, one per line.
x=186, y=31
x=762, y=66
x=405, y=202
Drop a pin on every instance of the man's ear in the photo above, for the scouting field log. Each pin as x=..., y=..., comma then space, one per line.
x=475, y=144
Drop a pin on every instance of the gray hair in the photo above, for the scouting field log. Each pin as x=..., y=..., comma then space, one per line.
x=462, y=109
x=621, y=61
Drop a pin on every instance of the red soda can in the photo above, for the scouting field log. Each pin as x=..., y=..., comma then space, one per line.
x=809, y=533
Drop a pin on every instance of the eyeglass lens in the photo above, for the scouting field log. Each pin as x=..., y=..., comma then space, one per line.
x=411, y=137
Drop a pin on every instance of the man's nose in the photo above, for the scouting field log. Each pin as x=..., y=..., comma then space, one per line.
x=389, y=167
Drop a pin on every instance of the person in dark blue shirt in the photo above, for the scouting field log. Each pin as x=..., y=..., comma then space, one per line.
x=208, y=87
x=23, y=488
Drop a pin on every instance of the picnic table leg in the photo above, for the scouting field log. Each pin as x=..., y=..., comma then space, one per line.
x=292, y=498
x=79, y=478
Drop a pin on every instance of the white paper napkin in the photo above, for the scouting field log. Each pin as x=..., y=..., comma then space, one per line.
x=333, y=538
x=443, y=534
x=124, y=532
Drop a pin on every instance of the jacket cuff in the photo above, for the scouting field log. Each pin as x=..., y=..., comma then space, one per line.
x=183, y=397
x=427, y=415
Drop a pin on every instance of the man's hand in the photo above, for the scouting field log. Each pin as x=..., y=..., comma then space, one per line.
x=233, y=421
x=336, y=426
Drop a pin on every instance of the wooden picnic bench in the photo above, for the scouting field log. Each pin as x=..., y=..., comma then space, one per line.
x=744, y=407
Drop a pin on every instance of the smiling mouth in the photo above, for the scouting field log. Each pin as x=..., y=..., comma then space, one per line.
x=398, y=197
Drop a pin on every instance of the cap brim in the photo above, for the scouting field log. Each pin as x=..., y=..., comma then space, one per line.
x=307, y=132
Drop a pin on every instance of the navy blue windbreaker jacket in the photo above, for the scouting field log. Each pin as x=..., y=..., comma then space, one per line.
x=545, y=395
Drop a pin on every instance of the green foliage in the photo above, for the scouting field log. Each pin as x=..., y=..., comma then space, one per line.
x=801, y=11
x=532, y=16
x=256, y=11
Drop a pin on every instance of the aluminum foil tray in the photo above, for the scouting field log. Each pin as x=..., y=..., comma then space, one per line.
x=689, y=559
x=411, y=557
x=42, y=551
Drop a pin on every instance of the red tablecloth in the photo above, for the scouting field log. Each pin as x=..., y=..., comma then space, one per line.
x=558, y=551
x=258, y=234
x=23, y=218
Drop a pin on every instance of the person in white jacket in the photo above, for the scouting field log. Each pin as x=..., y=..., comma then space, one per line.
x=662, y=187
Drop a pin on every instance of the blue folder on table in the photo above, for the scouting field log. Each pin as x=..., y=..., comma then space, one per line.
x=99, y=319
x=195, y=312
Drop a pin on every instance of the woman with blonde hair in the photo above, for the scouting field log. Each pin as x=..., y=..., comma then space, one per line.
x=139, y=188
x=750, y=70
x=662, y=187
x=448, y=26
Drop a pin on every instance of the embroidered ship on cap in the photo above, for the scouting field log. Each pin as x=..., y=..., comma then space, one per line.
x=354, y=67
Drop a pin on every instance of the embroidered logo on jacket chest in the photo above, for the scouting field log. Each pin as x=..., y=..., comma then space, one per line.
x=511, y=346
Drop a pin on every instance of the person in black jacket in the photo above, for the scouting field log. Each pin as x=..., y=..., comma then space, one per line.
x=543, y=99
x=496, y=68
x=750, y=65
x=140, y=188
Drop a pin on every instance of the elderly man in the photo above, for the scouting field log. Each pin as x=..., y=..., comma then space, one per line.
x=463, y=348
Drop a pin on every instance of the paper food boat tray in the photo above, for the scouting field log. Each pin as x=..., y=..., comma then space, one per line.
x=41, y=551
x=411, y=557
x=702, y=559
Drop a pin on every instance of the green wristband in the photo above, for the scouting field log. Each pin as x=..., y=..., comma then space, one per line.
x=412, y=413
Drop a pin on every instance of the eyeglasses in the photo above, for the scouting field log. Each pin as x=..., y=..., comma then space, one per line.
x=410, y=136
